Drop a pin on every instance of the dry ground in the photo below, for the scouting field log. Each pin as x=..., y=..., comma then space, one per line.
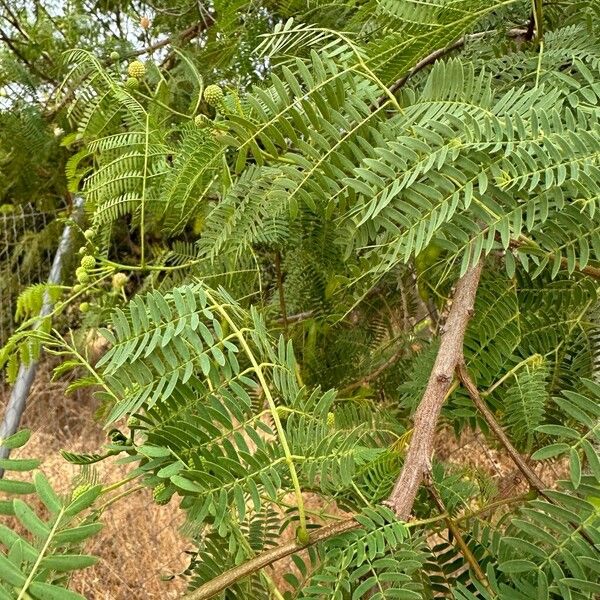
x=140, y=546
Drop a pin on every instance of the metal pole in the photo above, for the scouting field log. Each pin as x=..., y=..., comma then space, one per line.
x=26, y=375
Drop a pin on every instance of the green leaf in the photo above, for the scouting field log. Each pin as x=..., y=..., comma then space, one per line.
x=68, y=562
x=16, y=440
x=30, y=520
x=77, y=534
x=550, y=451
x=10, y=573
x=47, y=495
x=19, y=464
x=46, y=591
x=517, y=566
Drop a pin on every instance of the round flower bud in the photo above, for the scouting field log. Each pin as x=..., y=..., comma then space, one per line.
x=77, y=288
x=83, y=250
x=89, y=234
x=114, y=55
x=82, y=275
x=213, y=94
x=136, y=69
x=132, y=83
x=202, y=121
x=79, y=490
x=161, y=495
x=144, y=22
x=119, y=281
x=133, y=423
x=88, y=262
x=84, y=307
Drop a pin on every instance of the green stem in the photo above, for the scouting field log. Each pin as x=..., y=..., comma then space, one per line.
x=143, y=204
x=40, y=556
x=274, y=414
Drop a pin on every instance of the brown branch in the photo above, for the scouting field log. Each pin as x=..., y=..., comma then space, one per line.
x=589, y=270
x=450, y=354
x=375, y=373
x=434, y=56
x=184, y=36
x=532, y=478
x=458, y=538
x=228, y=578
x=282, y=306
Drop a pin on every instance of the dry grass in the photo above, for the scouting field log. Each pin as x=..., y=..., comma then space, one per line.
x=140, y=542
x=140, y=545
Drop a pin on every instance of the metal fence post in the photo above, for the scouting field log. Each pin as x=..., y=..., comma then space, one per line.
x=26, y=375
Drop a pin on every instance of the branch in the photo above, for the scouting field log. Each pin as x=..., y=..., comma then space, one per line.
x=185, y=36
x=223, y=581
x=437, y=54
x=458, y=538
x=375, y=373
x=463, y=375
x=450, y=354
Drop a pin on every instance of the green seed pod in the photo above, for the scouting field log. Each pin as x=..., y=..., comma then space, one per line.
x=88, y=262
x=213, y=95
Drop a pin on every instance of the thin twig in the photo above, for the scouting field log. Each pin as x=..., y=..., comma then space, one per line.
x=450, y=354
x=458, y=538
x=282, y=307
x=532, y=478
x=375, y=373
x=434, y=56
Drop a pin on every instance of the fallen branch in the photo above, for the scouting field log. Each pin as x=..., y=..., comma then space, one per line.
x=450, y=354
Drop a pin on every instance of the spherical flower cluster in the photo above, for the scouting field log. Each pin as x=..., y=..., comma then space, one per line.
x=136, y=69
x=159, y=495
x=79, y=490
x=88, y=262
x=82, y=275
x=202, y=121
x=132, y=83
x=213, y=95
x=84, y=307
x=119, y=280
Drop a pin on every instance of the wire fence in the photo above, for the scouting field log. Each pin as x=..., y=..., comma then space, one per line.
x=140, y=546
x=27, y=245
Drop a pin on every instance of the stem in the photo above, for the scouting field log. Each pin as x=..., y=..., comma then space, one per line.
x=228, y=578
x=143, y=206
x=458, y=538
x=274, y=414
x=40, y=556
x=450, y=354
x=282, y=306
x=463, y=375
